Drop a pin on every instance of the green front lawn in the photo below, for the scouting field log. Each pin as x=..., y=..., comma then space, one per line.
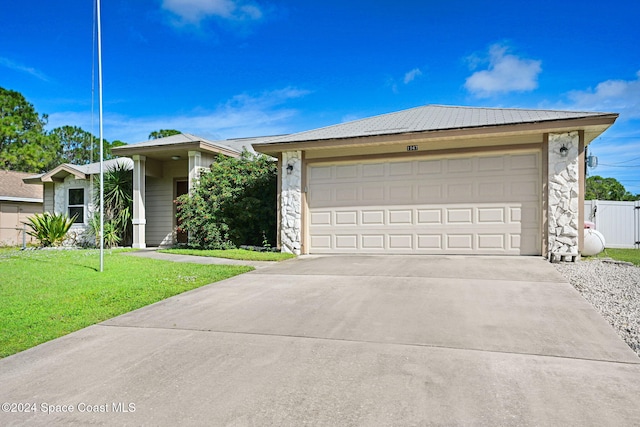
x=239, y=254
x=629, y=255
x=45, y=294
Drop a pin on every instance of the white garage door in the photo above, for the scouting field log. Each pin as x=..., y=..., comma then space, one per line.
x=461, y=205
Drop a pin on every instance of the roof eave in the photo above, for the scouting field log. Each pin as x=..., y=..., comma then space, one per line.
x=131, y=150
x=20, y=199
x=545, y=126
x=59, y=173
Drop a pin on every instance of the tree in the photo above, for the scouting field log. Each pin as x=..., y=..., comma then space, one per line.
x=79, y=147
x=599, y=188
x=24, y=144
x=232, y=204
x=163, y=133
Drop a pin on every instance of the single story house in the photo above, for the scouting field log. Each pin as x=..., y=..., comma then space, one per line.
x=69, y=189
x=437, y=180
x=18, y=201
x=427, y=180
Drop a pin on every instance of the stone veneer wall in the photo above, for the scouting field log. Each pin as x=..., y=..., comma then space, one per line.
x=79, y=233
x=564, y=189
x=291, y=203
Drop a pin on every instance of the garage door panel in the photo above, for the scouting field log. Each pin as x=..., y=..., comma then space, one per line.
x=401, y=241
x=492, y=215
x=346, y=218
x=491, y=190
x=400, y=168
x=401, y=193
x=491, y=164
x=321, y=218
x=449, y=206
x=373, y=241
x=373, y=170
x=346, y=241
x=373, y=194
x=459, y=216
x=459, y=241
x=460, y=165
x=429, y=216
x=321, y=241
x=429, y=242
x=373, y=217
x=432, y=192
x=490, y=241
x=459, y=192
x=350, y=171
x=400, y=216
x=523, y=162
x=430, y=167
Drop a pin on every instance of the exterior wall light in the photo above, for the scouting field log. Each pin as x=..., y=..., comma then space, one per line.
x=289, y=169
x=175, y=157
x=564, y=151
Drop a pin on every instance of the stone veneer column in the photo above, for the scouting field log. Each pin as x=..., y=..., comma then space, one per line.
x=564, y=190
x=291, y=203
x=139, y=219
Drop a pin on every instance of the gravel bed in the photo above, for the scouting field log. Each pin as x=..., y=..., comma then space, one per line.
x=613, y=289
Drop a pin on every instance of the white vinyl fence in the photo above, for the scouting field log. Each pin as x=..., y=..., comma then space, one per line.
x=619, y=222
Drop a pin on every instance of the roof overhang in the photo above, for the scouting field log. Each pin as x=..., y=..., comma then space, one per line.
x=59, y=174
x=592, y=127
x=20, y=199
x=165, y=152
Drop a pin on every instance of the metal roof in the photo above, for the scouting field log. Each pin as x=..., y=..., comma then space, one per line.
x=179, y=139
x=80, y=171
x=431, y=118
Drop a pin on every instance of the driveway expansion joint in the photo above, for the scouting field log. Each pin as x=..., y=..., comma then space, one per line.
x=399, y=344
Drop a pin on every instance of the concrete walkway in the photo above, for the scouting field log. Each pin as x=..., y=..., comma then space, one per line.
x=402, y=340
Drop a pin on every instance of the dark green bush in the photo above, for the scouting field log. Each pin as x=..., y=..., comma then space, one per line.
x=233, y=204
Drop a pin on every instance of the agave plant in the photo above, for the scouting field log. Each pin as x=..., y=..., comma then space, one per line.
x=50, y=229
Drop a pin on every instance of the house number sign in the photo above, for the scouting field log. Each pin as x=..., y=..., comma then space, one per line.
x=412, y=148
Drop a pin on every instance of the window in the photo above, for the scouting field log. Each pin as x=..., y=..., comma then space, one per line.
x=76, y=204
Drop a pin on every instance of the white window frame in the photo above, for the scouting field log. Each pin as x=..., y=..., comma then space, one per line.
x=83, y=206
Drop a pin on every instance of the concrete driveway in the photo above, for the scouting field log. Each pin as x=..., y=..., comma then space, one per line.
x=375, y=341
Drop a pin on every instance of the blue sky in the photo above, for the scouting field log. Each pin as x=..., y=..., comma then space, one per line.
x=234, y=68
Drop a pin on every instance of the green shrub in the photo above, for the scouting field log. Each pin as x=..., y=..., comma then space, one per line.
x=232, y=204
x=50, y=229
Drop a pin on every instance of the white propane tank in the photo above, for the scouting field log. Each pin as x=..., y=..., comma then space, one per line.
x=593, y=242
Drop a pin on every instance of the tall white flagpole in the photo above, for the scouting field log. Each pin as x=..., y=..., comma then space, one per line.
x=101, y=136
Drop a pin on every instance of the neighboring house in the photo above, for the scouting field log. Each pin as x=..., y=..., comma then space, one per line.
x=437, y=180
x=164, y=169
x=69, y=189
x=18, y=201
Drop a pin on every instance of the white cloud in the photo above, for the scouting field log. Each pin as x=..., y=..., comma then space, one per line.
x=6, y=62
x=412, y=75
x=505, y=73
x=619, y=96
x=242, y=116
x=195, y=11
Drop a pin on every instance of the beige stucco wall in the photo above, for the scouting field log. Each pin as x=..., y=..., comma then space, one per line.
x=12, y=217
